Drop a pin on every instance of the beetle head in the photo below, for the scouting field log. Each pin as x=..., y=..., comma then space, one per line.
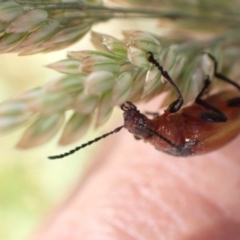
x=134, y=121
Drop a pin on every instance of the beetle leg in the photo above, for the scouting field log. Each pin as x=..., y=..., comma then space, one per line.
x=177, y=104
x=220, y=75
x=215, y=116
x=234, y=102
x=136, y=137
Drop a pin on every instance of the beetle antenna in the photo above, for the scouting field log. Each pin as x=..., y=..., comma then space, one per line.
x=85, y=144
x=177, y=104
x=153, y=132
x=163, y=138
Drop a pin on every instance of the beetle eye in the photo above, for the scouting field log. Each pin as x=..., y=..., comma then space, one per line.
x=141, y=121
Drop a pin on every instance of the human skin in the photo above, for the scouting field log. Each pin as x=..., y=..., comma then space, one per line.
x=134, y=192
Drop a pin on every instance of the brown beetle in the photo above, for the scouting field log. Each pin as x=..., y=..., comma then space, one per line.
x=202, y=127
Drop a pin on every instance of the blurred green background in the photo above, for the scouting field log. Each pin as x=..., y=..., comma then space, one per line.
x=31, y=186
